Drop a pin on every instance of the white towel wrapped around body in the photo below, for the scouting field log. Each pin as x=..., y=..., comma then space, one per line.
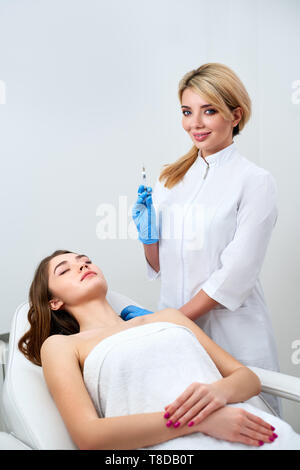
x=144, y=368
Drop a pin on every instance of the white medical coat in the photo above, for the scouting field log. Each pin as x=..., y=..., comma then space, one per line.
x=214, y=229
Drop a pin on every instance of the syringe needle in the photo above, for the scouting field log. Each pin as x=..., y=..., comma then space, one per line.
x=144, y=175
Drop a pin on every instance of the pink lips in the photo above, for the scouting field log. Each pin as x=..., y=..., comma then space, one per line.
x=87, y=274
x=201, y=136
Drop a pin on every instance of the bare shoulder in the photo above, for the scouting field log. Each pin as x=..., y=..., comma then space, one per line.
x=56, y=345
x=55, y=341
x=173, y=315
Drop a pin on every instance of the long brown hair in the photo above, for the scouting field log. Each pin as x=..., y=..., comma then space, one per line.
x=225, y=92
x=43, y=320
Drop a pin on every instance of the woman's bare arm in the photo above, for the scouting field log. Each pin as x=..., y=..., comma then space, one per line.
x=199, y=305
x=88, y=431
x=152, y=255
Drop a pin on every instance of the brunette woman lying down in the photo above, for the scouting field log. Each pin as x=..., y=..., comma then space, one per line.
x=153, y=382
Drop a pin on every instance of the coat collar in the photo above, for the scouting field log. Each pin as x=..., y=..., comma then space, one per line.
x=218, y=158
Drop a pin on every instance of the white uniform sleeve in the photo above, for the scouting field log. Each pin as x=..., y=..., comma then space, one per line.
x=242, y=259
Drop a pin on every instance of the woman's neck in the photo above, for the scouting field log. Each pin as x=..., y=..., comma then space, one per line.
x=95, y=313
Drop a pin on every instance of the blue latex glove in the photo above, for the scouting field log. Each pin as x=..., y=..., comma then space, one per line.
x=132, y=311
x=143, y=214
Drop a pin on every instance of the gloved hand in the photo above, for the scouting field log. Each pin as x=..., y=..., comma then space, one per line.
x=143, y=214
x=132, y=311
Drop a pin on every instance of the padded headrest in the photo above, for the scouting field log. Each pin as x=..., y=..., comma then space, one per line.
x=29, y=411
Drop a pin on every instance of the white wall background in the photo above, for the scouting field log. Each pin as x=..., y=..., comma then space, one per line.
x=91, y=93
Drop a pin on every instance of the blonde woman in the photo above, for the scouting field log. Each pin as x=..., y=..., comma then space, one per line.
x=208, y=229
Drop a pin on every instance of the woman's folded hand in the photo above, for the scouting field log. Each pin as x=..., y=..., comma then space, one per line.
x=237, y=425
x=194, y=405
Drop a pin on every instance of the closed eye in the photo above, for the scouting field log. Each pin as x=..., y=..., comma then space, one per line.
x=64, y=272
x=87, y=262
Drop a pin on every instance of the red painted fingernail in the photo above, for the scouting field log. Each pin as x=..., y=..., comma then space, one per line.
x=272, y=427
x=271, y=439
x=275, y=435
x=261, y=443
x=167, y=415
x=191, y=423
x=169, y=423
x=177, y=424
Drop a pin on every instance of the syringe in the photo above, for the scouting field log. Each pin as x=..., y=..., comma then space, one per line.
x=144, y=179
